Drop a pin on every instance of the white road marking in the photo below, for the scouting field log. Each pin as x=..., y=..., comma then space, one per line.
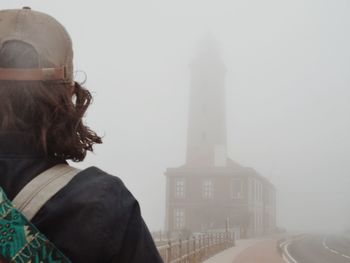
x=324, y=243
x=285, y=254
x=283, y=243
x=332, y=250
x=285, y=258
x=288, y=258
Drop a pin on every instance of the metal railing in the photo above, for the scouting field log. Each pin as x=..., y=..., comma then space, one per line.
x=196, y=249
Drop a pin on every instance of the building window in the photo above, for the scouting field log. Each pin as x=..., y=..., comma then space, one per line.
x=180, y=188
x=179, y=219
x=207, y=189
x=237, y=189
x=258, y=191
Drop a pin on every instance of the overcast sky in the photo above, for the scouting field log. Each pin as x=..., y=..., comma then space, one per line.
x=288, y=79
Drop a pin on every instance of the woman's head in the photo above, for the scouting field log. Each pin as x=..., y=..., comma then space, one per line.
x=37, y=92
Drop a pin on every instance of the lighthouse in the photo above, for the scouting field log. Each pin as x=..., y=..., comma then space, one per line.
x=210, y=189
x=206, y=134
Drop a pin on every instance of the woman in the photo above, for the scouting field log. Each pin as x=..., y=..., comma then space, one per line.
x=93, y=218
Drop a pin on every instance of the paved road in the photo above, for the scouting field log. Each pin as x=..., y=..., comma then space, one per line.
x=320, y=249
x=262, y=252
x=256, y=250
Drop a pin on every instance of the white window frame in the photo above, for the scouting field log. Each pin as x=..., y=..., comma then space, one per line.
x=260, y=187
x=207, y=189
x=179, y=218
x=258, y=191
x=180, y=188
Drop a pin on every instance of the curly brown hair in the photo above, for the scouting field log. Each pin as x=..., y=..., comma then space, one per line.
x=51, y=112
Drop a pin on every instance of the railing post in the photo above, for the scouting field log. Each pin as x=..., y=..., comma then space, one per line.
x=221, y=239
x=168, y=253
x=193, y=258
x=203, y=247
x=180, y=249
x=200, y=246
x=228, y=239
x=188, y=250
x=211, y=243
x=234, y=238
x=207, y=246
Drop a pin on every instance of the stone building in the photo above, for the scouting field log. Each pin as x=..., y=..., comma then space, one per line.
x=210, y=189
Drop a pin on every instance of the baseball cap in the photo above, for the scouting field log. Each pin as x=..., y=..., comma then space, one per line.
x=49, y=39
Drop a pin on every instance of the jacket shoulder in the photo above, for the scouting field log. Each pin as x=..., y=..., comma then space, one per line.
x=92, y=210
x=95, y=186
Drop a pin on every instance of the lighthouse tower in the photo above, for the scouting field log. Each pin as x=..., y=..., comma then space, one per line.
x=206, y=135
x=210, y=189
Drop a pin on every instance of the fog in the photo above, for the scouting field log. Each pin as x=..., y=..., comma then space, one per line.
x=287, y=94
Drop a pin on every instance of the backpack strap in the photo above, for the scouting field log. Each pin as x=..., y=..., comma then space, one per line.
x=44, y=186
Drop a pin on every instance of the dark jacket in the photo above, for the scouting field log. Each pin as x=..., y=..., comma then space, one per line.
x=92, y=219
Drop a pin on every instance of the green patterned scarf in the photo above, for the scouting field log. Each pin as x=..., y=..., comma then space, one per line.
x=21, y=241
